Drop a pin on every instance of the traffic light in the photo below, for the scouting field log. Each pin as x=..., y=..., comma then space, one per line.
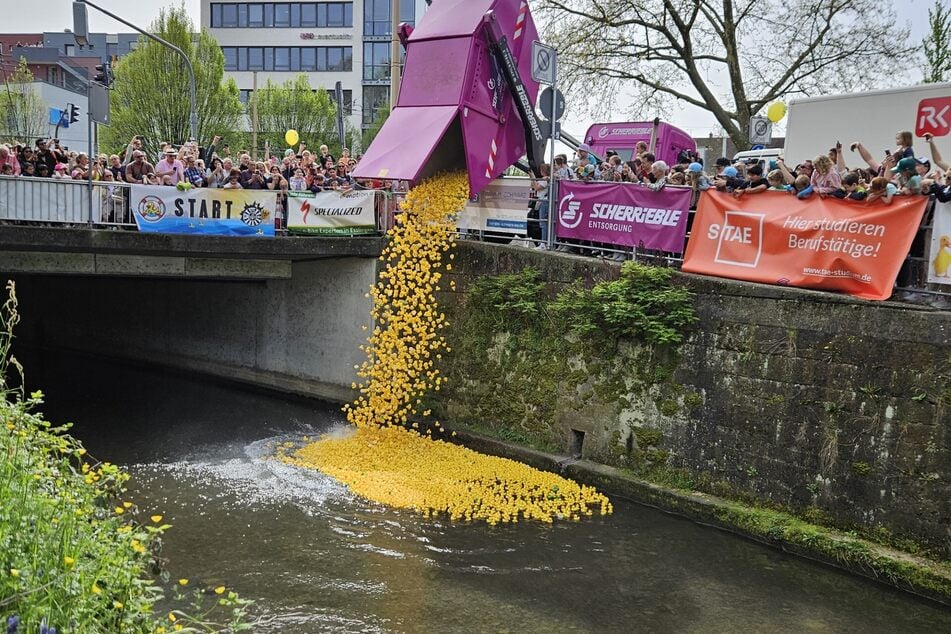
x=73, y=111
x=104, y=74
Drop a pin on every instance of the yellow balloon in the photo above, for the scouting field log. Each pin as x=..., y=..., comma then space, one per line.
x=291, y=137
x=776, y=112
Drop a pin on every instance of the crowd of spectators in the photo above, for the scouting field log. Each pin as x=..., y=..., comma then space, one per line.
x=189, y=166
x=186, y=166
x=900, y=172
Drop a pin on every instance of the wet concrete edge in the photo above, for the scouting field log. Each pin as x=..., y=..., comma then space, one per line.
x=708, y=509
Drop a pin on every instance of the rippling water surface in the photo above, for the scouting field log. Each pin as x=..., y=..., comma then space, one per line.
x=318, y=559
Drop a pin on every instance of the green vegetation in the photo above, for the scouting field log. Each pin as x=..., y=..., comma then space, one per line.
x=642, y=305
x=523, y=350
x=845, y=548
x=150, y=95
x=75, y=552
x=296, y=105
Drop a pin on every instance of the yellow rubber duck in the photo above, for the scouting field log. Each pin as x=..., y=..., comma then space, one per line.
x=942, y=261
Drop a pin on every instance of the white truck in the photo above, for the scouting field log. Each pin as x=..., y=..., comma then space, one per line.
x=872, y=118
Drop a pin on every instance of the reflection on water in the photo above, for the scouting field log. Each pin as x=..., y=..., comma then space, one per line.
x=317, y=559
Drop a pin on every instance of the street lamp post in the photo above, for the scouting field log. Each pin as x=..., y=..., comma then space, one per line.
x=81, y=35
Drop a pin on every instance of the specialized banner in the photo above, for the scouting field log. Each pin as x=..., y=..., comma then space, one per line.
x=332, y=212
x=823, y=243
x=502, y=207
x=939, y=259
x=623, y=214
x=221, y=212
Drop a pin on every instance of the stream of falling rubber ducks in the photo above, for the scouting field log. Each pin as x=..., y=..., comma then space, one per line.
x=387, y=459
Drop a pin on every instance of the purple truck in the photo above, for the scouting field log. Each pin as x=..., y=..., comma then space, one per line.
x=663, y=140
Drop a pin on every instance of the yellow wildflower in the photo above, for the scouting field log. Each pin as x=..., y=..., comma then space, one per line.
x=69, y=561
x=183, y=582
x=156, y=518
x=96, y=589
x=119, y=510
x=220, y=590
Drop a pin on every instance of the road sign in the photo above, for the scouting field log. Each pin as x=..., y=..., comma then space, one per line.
x=761, y=130
x=545, y=127
x=99, y=103
x=545, y=104
x=544, y=62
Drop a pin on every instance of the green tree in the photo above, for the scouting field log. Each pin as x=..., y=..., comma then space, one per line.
x=295, y=105
x=23, y=114
x=729, y=57
x=370, y=133
x=937, y=45
x=151, y=97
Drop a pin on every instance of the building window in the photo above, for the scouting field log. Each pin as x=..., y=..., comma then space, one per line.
x=245, y=96
x=227, y=15
x=376, y=16
x=69, y=49
x=255, y=15
x=336, y=59
x=347, y=100
x=375, y=99
x=376, y=61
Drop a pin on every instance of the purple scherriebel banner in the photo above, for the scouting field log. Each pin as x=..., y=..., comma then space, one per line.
x=624, y=214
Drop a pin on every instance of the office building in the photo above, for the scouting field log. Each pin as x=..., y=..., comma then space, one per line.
x=347, y=42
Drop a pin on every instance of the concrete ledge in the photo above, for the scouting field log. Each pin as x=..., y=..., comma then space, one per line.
x=55, y=263
x=84, y=240
x=923, y=577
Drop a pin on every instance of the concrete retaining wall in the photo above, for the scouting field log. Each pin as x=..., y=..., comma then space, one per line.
x=837, y=408
x=300, y=335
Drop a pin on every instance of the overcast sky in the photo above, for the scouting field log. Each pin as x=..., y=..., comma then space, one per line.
x=56, y=15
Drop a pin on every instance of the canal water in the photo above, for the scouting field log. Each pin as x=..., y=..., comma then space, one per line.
x=316, y=559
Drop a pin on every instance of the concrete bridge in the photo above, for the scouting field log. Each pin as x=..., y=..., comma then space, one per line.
x=285, y=313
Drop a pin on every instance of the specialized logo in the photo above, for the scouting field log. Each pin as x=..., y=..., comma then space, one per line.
x=254, y=214
x=739, y=239
x=934, y=116
x=569, y=216
x=151, y=208
x=603, y=132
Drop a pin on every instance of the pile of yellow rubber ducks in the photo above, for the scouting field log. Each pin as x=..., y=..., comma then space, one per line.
x=386, y=459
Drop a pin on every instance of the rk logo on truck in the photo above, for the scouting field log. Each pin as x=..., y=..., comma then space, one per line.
x=934, y=116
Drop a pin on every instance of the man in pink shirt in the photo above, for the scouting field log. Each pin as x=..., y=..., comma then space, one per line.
x=170, y=167
x=7, y=158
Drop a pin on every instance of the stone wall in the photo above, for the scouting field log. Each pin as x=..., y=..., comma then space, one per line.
x=833, y=407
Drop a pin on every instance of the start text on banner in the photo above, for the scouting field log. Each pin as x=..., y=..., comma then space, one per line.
x=823, y=243
x=221, y=212
x=332, y=212
x=624, y=214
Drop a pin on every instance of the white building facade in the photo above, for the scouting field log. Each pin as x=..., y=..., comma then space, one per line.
x=345, y=41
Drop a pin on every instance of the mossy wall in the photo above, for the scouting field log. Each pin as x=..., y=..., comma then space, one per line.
x=835, y=408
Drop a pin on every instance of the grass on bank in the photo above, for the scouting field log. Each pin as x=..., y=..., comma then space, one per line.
x=76, y=555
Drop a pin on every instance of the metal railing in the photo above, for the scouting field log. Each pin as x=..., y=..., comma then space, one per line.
x=64, y=202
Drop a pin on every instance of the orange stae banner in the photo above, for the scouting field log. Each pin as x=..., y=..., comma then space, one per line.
x=825, y=243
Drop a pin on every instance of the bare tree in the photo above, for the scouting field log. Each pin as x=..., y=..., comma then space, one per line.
x=23, y=114
x=937, y=45
x=731, y=58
